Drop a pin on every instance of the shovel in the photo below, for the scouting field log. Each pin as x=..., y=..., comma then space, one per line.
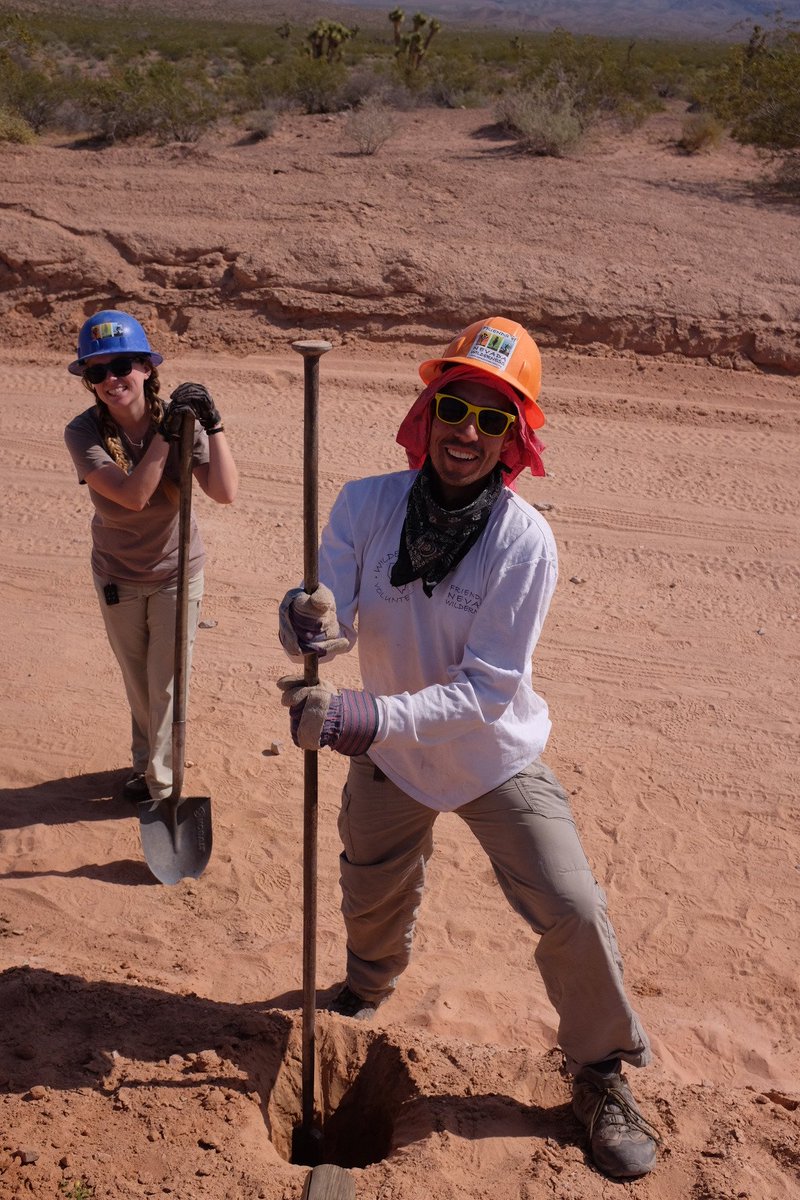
x=326, y=1181
x=176, y=832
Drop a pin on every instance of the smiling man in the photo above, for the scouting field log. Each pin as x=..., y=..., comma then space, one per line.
x=443, y=576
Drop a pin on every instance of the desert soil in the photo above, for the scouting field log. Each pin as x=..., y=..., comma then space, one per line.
x=150, y=1038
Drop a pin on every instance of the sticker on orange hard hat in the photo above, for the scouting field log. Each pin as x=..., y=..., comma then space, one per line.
x=493, y=347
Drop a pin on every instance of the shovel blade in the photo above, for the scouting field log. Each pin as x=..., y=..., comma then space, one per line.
x=176, y=837
x=328, y=1182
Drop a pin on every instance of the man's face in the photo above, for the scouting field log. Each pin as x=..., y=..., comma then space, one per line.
x=461, y=455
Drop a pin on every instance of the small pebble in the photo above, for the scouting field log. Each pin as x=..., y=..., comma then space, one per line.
x=577, y=579
x=208, y=624
x=273, y=748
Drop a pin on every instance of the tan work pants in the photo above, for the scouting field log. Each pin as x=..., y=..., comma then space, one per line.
x=141, y=631
x=527, y=829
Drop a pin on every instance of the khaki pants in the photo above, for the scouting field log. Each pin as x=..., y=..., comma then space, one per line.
x=527, y=829
x=141, y=631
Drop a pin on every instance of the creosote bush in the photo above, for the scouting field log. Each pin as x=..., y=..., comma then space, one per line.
x=261, y=125
x=144, y=73
x=700, y=131
x=370, y=125
x=544, y=120
x=14, y=129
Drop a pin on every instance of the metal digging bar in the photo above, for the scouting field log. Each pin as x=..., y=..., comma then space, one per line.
x=326, y=1181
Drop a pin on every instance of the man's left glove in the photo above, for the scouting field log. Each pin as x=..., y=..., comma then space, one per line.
x=308, y=624
x=198, y=399
x=347, y=721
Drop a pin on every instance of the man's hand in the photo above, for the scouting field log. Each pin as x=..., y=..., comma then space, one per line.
x=308, y=624
x=347, y=721
x=198, y=399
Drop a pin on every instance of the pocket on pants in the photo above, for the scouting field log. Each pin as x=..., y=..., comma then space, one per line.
x=539, y=792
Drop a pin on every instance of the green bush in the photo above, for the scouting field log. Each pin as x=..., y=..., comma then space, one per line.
x=700, y=131
x=786, y=175
x=544, y=120
x=14, y=129
x=35, y=96
x=315, y=84
x=160, y=101
x=757, y=90
x=261, y=125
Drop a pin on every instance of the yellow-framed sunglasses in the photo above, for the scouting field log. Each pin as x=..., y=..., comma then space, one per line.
x=493, y=422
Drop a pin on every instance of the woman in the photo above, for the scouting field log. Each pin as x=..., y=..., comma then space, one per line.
x=124, y=448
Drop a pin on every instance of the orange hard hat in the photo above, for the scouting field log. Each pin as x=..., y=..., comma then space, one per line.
x=502, y=348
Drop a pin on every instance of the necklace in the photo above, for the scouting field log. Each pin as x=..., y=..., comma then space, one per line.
x=135, y=445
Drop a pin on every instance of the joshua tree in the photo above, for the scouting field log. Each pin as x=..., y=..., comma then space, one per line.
x=397, y=16
x=327, y=38
x=412, y=46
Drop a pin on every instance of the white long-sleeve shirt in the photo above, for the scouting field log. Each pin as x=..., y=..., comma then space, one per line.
x=451, y=672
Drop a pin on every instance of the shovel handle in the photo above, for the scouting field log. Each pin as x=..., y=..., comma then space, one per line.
x=181, y=672
x=311, y=352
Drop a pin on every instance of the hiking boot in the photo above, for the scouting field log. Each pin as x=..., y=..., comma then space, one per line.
x=347, y=1004
x=136, y=789
x=622, y=1142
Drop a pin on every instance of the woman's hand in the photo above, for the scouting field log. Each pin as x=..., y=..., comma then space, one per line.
x=198, y=398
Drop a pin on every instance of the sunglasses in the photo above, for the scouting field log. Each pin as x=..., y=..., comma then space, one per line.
x=492, y=422
x=118, y=367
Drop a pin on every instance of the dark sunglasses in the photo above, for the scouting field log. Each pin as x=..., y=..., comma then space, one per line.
x=493, y=422
x=118, y=367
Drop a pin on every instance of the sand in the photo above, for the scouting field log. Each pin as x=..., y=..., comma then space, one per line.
x=150, y=1040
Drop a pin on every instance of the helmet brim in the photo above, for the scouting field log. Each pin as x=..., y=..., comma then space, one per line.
x=79, y=365
x=433, y=367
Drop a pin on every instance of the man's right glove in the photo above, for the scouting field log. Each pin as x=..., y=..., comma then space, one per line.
x=308, y=624
x=347, y=721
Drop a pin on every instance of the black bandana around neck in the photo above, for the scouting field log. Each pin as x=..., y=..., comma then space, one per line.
x=435, y=539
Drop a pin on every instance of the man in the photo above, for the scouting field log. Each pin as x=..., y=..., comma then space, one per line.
x=450, y=575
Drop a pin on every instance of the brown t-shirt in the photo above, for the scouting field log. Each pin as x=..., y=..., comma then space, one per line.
x=128, y=546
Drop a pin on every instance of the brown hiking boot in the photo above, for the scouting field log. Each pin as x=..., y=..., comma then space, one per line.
x=347, y=1004
x=622, y=1142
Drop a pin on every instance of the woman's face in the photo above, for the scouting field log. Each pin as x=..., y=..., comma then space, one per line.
x=123, y=394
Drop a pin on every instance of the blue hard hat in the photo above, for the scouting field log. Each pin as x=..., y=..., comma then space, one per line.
x=111, y=332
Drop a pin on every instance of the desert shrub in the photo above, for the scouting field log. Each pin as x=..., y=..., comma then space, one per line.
x=602, y=75
x=14, y=129
x=314, y=83
x=454, y=81
x=700, y=131
x=364, y=82
x=543, y=119
x=262, y=124
x=158, y=101
x=32, y=94
x=370, y=125
x=757, y=90
x=786, y=175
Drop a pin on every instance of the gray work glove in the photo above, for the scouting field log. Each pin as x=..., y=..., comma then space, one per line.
x=308, y=624
x=347, y=721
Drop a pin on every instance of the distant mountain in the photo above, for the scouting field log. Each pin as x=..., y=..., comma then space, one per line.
x=723, y=19
x=657, y=18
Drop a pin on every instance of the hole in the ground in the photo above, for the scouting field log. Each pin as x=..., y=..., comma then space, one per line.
x=362, y=1084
